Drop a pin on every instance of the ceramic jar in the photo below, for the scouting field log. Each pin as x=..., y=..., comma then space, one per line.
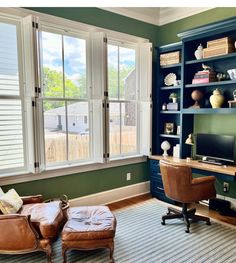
x=216, y=99
x=199, y=52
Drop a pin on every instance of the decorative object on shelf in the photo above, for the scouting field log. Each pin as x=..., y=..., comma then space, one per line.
x=221, y=76
x=217, y=47
x=169, y=128
x=172, y=106
x=176, y=151
x=170, y=58
x=234, y=94
x=232, y=73
x=216, y=99
x=190, y=141
x=199, y=52
x=165, y=146
x=232, y=103
x=164, y=106
x=170, y=79
x=204, y=76
x=196, y=95
x=178, y=130
x=177, y=82
x=173, y=96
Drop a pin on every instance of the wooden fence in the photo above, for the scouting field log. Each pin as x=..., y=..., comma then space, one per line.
x=55, y=145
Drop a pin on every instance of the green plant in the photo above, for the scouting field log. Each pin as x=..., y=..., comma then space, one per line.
x=173, y=95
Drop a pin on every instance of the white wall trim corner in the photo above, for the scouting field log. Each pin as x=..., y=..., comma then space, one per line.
x=113, y=195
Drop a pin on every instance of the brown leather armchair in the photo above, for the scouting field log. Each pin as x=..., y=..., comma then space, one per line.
x=33, y=228
x=181, y=187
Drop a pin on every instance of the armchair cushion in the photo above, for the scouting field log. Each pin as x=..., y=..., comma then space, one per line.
x=45, y=217
x=10, y=202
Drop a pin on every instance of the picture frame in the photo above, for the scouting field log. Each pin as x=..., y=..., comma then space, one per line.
x=178, y=130
x=169, y=128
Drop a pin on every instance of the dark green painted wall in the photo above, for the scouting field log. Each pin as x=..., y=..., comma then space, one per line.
x=91, y=182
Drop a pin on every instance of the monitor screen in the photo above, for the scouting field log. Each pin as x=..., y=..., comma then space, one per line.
x=220, y=147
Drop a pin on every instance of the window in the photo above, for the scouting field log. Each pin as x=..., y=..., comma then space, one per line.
x=64, y=97
x=12, y=144
x=122, y=93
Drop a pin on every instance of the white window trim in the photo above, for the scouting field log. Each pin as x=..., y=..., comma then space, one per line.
x=18, y=14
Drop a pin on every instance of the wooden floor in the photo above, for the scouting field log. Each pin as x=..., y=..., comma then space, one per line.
x=201, y=209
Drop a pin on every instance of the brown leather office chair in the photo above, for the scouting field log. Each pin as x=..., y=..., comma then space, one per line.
x=181, y=187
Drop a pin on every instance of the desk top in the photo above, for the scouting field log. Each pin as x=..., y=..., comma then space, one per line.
x=224, y=169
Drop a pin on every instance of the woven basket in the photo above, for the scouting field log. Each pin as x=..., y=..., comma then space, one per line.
x=218, y=51
x=170, y=58
x=220, y=42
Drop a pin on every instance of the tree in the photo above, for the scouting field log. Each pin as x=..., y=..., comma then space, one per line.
x=53, y=88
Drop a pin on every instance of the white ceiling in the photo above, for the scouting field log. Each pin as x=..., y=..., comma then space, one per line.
x=157, y=15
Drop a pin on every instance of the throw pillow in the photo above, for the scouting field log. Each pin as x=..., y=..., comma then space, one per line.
x=10, y=202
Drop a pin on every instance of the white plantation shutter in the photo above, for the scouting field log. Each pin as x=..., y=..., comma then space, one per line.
x=11, y=106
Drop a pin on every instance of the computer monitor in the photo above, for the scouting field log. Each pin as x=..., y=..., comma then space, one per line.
x=215, y=147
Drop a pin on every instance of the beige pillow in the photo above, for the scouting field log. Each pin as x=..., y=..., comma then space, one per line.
x=10, y=202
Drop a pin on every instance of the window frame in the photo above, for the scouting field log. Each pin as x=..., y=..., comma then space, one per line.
x=52, y=28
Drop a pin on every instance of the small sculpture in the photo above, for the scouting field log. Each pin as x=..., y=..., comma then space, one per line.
x=165, y=146
x=216, y=99
x=196, y=95
x=199, y=52
x=206, y=67
x=234, y=94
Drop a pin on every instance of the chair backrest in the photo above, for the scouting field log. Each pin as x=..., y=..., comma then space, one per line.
x=176, y=180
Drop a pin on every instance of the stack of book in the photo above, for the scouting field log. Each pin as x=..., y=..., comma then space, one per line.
x=203, y=77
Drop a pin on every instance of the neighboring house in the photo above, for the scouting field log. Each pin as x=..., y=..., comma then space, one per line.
x=77, y=118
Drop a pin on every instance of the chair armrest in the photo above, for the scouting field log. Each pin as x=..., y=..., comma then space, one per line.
x=17, y=234
x=31, y=199
x=203, y=180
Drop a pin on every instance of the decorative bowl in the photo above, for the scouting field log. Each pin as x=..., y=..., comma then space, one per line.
x=170, y=79
x=232, y=73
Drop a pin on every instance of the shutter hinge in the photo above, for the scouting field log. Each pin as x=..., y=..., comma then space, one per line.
x=105, y=40
x=103, y=105
x=35, y=25
x=37, y=90
x=151, y=106
x=150, y=149
x=36, y=165
x=33, y=103
x=106, y=155
x=107, y=105
x=106, y=93
x=151, y=49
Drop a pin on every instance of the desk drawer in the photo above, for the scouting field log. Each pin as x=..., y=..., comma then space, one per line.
x=154, y=166
x=157, y=190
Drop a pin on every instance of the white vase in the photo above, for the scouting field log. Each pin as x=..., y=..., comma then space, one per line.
x=216, y=99
x=199, y=52
x=174, y=100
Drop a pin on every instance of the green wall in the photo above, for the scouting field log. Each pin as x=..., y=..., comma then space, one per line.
x=91, y=182
x=82, y=184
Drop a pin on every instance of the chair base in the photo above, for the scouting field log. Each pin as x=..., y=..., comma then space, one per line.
x=185, y=214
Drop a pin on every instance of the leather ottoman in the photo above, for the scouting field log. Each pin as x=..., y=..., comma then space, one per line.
x=89, y=227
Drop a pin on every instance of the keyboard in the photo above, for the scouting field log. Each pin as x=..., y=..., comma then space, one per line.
x=211, y=162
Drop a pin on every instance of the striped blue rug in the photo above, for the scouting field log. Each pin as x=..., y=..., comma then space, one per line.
x=140, y=238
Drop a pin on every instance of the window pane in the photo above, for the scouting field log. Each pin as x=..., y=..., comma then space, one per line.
x=11, y=138
x=75, y=67
x=127, y=73
x=52, y=65
x=113, y=72
x=114, y=128
x=9, y=75
x=55, y=131
x=128, y=128
x=78, y=130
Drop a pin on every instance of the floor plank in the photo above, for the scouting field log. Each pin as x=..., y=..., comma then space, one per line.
x=201, y=209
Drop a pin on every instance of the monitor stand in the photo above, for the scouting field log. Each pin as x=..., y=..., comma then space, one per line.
x=212, y=161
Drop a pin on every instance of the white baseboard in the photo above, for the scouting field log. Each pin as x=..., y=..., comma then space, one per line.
x=230, y=199
x=113, y=195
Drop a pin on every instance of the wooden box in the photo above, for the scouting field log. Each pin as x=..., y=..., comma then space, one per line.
x=220, y=42
x=170, y=58
x=217, y=51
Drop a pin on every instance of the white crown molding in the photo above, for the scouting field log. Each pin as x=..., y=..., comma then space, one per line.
x=157, y=15
x=171, y=14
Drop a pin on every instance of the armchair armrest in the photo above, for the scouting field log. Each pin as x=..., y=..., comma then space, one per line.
x=17, y=234
x=203, y=180
x=32, y=199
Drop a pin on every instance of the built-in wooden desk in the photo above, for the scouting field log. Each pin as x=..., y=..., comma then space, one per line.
x=225, y=172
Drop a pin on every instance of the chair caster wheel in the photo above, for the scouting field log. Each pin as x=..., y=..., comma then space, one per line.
x=163, y=223
x=208, y=223
x=187, y=231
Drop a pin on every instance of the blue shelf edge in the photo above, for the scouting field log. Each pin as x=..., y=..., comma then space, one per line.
x=209, y=111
